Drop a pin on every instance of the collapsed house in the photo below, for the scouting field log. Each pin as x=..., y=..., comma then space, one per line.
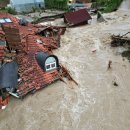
x=77, y=17
x=26, y=58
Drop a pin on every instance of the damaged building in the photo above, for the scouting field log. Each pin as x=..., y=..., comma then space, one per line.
x=27, y=61
x=79, y=17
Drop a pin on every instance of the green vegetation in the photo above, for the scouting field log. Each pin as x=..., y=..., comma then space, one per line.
x=108, y=5
x=56, y=4
x=8, y=10
x=11, y=11
x=3, y=3
x=3, y=8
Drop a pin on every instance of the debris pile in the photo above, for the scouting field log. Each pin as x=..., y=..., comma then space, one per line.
x=123, y=41
x=120, y=40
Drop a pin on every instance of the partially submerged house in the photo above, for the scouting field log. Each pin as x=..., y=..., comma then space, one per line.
x=27, y=61
x=26, y=5
x=77, y=17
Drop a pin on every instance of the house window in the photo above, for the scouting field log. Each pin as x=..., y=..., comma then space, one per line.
x=2, y=43
x=2, y=21
x=5, y=20
x=50, y=63
x=8, y=20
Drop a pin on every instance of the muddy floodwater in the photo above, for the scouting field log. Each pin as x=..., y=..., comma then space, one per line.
x=125, y=5
x=95, y=104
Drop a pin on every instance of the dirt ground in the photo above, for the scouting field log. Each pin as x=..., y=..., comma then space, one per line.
x=96, y=104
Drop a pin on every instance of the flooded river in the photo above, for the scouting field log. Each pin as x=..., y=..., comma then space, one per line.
x=95, y=104
x=125, y=5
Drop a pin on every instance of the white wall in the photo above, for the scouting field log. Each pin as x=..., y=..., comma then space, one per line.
x=26, y=5
x=18, y=2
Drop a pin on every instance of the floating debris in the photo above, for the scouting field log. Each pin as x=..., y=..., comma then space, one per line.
x=123, y=41
x=115, y=84
x=109, y=64
x=120, y=40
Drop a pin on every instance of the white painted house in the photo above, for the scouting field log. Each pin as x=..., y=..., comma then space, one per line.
x=26, y=5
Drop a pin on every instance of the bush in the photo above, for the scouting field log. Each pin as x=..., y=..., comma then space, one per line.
x=110, y=5
x=11, y=10
x=56, y=4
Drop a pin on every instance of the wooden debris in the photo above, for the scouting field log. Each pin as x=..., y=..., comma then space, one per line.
x=109, y=64
x=66, y=73
x=115, y=84
x=123, y=41
x=118, y=40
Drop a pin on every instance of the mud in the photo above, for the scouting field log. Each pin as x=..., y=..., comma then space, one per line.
x=96, y=104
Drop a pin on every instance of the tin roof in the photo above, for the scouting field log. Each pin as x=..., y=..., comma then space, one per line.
x=9, y=75
x=77, y=17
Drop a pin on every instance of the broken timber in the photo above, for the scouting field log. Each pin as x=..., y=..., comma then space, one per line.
x=120, y=40
x=66, y=73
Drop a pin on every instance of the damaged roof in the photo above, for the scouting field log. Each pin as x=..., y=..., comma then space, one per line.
x=77, y=18
x=25, y=40
x=11, y=19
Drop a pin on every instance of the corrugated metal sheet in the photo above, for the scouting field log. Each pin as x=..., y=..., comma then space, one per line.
x=77, y=17
x=9, y=75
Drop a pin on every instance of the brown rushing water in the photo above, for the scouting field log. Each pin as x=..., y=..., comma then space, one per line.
x=125, y=5
x=96, y=104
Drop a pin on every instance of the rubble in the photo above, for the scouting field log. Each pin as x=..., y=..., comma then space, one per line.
x=124, y=41
x=66, y=73
x=120, y=40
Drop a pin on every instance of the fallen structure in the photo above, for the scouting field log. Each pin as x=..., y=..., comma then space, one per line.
x=77, y=17
x=27, y=61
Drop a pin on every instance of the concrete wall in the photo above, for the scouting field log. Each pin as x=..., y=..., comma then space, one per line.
x=26, y=5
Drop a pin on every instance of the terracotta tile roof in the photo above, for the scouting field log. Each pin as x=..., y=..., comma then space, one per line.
x=6, y=15
x=25, y=39
x=33, y=77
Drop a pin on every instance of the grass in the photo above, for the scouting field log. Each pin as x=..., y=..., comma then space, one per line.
x=56, y=4
x=8, y=10
x=109, y=5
